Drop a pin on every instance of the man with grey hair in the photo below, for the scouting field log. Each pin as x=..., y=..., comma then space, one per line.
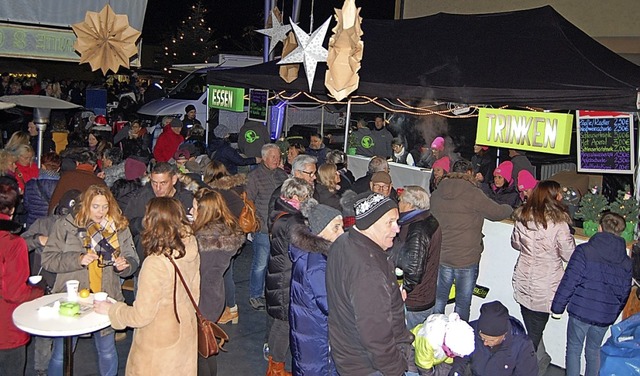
x=376, y=164
x=285, y=216
x=417, y=252
x=302, y=167
x=261, y=182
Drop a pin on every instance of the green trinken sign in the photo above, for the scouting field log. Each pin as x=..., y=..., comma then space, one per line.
x=226, y=98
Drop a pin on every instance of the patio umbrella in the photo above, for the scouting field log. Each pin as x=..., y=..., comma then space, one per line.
x=105, y=40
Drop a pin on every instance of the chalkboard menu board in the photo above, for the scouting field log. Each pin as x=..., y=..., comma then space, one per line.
x=605, y=142
x=258, y=104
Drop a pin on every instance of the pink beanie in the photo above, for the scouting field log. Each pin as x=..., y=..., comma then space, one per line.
x=526, y=180
x=438, y=143
x=443, y=163
x=484, y=147
x=504, y=169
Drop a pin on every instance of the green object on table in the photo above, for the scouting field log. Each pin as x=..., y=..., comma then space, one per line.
x=69, y=308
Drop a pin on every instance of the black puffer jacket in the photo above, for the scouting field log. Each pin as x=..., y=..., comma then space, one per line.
x=417, y=253
x=278, y=282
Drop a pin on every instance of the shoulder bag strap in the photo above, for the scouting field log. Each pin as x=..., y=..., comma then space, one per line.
x=184, y=283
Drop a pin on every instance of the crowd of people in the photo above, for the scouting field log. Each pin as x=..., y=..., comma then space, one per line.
x=353, y=274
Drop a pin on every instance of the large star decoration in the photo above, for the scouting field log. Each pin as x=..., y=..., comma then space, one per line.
x=105, y=40
x=309, y=51
x=277, y=33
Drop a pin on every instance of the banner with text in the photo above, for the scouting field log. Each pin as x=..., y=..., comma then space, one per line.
x=226, y=98
x=42, y=43
x=544, y=132
x=605, y=142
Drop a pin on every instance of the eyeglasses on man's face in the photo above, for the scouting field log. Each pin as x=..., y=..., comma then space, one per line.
x=310, y=173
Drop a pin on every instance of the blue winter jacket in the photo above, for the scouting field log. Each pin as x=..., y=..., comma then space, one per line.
x=37, y=194
x=220, y=150
x=308, y=309
x=513, y=357
x=597, y=281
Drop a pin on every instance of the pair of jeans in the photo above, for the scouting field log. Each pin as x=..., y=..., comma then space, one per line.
x=261, y=248
x=105, y=343
x=229, y=285
x=13, y=361
x=465, y=279
x=414, y=318
x=42, y=352
x=577, y=331
x=535, y=322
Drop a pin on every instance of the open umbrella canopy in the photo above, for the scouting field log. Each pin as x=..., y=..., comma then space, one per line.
x=37, y=101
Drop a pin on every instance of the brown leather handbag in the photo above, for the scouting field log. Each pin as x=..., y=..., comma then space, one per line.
x=211, y=337
x=248, y=219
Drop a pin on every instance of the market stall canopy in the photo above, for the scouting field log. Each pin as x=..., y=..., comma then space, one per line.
x=523, y=58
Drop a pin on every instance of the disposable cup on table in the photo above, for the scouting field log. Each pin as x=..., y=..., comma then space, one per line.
x=72, y=290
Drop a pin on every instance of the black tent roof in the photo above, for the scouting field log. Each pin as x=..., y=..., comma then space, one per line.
x=523, y=58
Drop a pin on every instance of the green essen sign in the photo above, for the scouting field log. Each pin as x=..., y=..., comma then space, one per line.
x=226, y=98
x=544, y=132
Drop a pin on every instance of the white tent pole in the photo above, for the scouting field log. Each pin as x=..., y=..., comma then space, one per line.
x=347, y=124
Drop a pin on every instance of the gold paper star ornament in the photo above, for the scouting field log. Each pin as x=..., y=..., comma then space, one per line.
x=105, y=40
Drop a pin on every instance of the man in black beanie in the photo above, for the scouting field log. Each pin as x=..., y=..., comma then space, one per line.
x=367, y=332
x=502, y=346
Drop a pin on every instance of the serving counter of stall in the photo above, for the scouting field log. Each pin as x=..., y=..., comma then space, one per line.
x=401, y=174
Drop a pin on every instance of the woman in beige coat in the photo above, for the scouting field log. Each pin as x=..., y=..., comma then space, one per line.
x=162, y=345
x=542, y=234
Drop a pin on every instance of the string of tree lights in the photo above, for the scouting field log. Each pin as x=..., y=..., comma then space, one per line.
x=193, y=41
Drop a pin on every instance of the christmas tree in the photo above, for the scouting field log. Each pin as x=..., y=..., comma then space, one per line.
x=626, y=205
x=591, y=206
x=193, y=42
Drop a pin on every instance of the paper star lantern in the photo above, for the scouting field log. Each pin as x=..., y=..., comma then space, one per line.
x=278, y=32
x=345, y=52
x=289, y=72
x=309, y=51
x=105, y=40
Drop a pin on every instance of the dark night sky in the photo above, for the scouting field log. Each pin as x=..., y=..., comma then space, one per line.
x=229, y=17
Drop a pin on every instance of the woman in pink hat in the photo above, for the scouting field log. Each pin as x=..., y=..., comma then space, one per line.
x=503, y=190
x=441, y=167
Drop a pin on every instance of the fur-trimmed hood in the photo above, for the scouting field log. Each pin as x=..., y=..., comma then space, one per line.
x=303, y=240
x=10, y=226
x=461, y=175
x=216, y=237
x=229, y=182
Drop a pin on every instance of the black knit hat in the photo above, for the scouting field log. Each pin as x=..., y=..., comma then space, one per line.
x=494, y=319
x=370, y=207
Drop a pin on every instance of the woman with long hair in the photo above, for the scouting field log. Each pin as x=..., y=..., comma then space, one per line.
x=162, y=316
x=230, y=187
x=219, y=239
x=542, y=235
x=94, y=246
x=328, y=186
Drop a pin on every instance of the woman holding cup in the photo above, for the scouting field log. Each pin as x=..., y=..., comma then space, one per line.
x=93, y=245
x=165, y=340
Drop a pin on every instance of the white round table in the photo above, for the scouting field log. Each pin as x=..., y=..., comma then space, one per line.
x=27, y=318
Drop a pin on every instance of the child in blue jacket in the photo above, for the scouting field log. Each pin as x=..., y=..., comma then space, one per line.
x=594, y=289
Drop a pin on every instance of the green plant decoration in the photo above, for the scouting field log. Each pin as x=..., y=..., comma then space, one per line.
x=591, y=206
x=627, y=206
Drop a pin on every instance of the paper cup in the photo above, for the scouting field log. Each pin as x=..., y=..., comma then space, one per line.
x=100, y=296
x=35, y=279
x=72, y=290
